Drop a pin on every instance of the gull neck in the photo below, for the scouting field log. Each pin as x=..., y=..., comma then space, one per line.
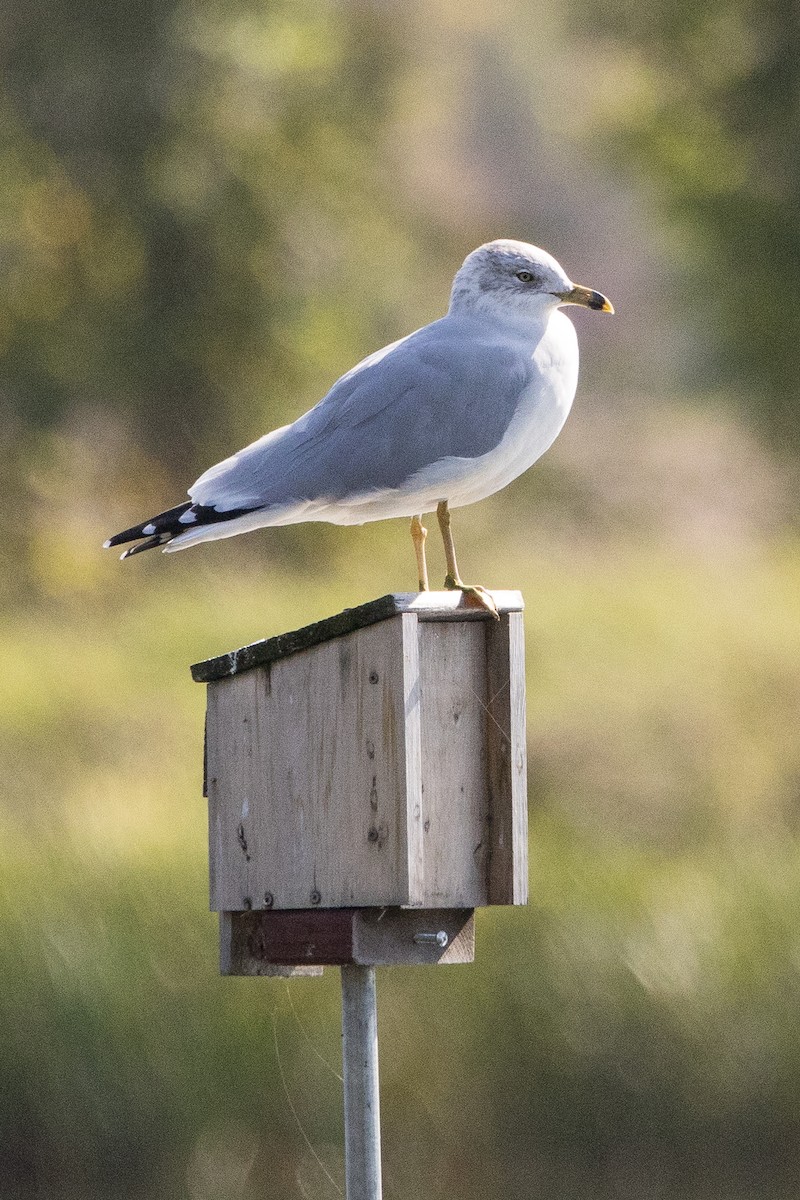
x=528, y=322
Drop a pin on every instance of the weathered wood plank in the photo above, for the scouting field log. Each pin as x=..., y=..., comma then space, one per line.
x=384, y=937
x=253, y=942
x=235, y=957
x=412, y=826
x=307, y=778
x=232, y=715
x=455, y=798
x=507, y=761
x=429, y=606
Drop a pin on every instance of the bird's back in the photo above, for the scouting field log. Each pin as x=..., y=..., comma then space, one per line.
x=450, y=390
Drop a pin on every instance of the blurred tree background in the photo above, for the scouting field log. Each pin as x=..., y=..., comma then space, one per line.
x=210, y=210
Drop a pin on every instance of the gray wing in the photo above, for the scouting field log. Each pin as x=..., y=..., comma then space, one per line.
x=450, y=389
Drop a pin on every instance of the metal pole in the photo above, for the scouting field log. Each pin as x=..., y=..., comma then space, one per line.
x=362, y=1130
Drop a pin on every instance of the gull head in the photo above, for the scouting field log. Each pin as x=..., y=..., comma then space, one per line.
x=515, y=281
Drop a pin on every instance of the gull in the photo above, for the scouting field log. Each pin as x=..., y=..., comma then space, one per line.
x=442, y=418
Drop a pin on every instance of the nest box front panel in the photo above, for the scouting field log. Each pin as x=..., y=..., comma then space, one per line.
x=307, y=777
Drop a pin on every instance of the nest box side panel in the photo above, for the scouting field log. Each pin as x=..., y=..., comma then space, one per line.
x=507, y=760
x=455, y=796
x=473, y=762
x=307, y=777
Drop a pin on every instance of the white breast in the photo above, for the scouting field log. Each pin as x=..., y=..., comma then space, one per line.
x=540, y=417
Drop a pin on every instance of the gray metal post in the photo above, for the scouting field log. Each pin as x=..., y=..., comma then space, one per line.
x=362, y=1130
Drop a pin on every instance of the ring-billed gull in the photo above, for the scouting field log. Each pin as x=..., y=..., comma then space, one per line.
x=441, y=418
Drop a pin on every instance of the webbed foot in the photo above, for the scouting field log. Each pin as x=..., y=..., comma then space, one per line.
x=480, y=597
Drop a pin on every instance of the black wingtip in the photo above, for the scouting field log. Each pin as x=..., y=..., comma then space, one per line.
x=164, y=522
x=150, y=544
x=168, y=525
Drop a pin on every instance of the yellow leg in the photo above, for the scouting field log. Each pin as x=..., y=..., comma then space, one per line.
x=418, y=535
x=453, y=580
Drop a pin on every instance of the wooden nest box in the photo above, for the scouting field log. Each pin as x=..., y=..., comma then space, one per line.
x=373, y=761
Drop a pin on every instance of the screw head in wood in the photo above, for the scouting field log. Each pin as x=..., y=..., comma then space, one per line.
x=373, y=677
x=439, y=939
x=315, y=897
x=269, y=899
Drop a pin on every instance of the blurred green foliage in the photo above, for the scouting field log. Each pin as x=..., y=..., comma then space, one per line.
x=701, y=102
x=189, y=188
x=208, y=212
x=632, y=1030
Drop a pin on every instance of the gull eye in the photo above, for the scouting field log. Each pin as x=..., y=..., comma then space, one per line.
x=525, y=276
